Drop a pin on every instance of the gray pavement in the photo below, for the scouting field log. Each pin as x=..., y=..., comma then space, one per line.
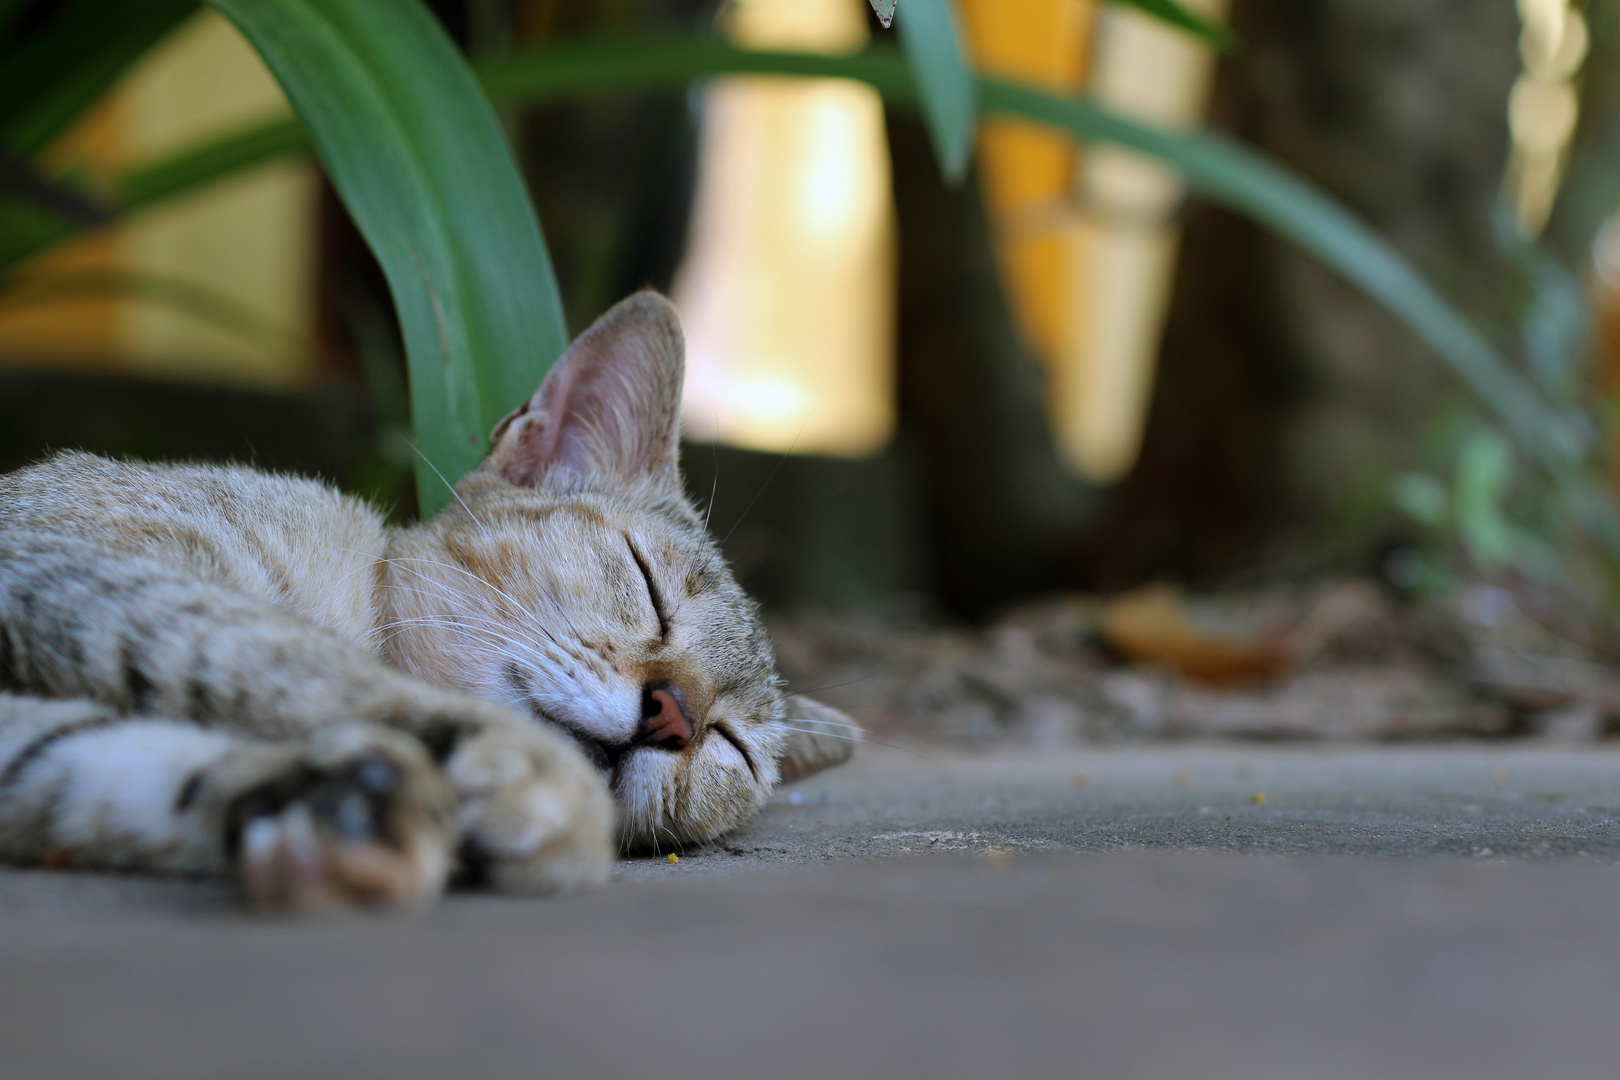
x=1381, y=912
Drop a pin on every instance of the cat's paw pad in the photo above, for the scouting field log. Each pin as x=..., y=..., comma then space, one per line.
x=359, y=821
x=534, y=815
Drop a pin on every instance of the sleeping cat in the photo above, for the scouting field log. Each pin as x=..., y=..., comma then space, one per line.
x=217, y=670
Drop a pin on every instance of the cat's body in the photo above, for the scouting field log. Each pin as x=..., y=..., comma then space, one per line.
x=216, y=670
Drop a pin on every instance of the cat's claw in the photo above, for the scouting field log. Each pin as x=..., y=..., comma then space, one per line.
x=534, y=815
x=362, y=820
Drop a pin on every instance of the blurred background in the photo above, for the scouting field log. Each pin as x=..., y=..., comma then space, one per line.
x=927, y=405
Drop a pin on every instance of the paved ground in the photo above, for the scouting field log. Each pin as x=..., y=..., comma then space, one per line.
x=1422, y=912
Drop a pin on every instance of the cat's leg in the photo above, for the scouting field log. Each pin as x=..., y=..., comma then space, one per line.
x=348, y=815
x=145, y=638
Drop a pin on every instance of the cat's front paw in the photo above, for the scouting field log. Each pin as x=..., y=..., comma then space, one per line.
x=359, y=818
x=534, y=815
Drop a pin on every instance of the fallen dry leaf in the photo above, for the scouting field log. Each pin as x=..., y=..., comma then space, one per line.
x=1152, y=626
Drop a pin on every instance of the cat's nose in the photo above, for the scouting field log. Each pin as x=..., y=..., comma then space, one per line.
x=664, y=722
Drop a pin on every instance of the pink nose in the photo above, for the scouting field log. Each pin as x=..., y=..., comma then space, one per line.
x=666, y=724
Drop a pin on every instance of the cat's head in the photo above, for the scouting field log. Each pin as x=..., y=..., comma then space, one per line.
x=573, y=580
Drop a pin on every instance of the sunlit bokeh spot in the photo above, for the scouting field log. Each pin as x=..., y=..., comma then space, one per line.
x=1543, y=107
x=787, y=291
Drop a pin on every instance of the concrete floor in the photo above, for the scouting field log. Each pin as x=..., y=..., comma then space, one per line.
x=1393, y=912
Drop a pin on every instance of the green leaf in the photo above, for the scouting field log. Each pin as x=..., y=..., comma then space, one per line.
x=209, y=161
x=933, y=47
x=1484, y=470
x=1177, y=15
x=49, y=77
x=885, y=11
x=416, y=153
x=1422, y=498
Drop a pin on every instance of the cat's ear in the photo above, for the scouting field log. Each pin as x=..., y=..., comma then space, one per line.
x=609, y=409
x=819, y=737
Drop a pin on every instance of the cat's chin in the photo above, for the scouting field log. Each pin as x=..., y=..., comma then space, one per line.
x=661, y=810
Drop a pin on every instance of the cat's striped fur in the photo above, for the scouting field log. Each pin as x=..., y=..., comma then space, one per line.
x=218, y=670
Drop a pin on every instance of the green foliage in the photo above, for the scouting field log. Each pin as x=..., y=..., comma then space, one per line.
x=945, y=86
x=1217, y=167
x=1476, y=507
x=51, y=70
x=415, y=151
x=214, y=159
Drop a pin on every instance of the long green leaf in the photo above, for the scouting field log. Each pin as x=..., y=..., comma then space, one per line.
x=48, y=78
x=416, y=153
x=933, y=46
x=214, y=159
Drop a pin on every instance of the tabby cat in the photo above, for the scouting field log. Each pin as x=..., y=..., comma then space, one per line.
x=221, y=671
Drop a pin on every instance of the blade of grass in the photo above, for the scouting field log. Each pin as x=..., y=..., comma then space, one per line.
x=416, y=153
x=932, y=42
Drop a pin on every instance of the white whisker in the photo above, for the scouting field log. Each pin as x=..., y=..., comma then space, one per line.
x=517, y=608
x=492, y=632
x=454, y=494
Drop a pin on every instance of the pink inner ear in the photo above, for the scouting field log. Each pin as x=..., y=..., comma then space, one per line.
x=609, y=407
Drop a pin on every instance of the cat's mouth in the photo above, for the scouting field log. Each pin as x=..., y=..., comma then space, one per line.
x=607, y=757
